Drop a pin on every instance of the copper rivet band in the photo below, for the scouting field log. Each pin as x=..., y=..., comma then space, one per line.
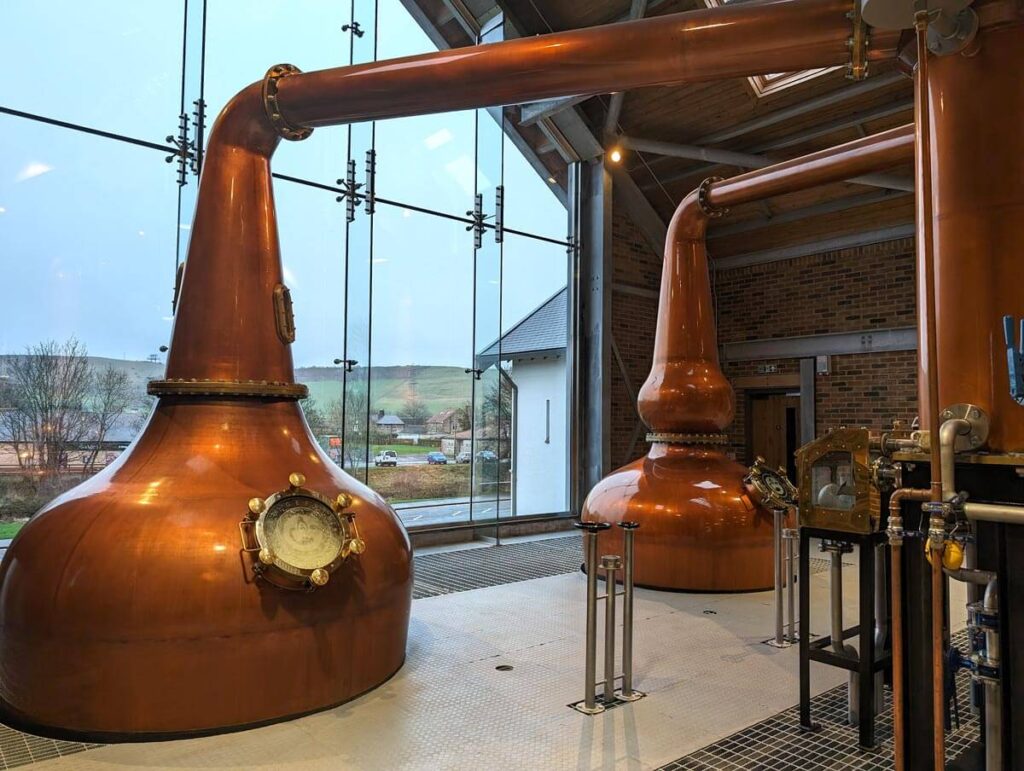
x=668, y=438
x=273, y=110
x=258, y=388
x=703, y=193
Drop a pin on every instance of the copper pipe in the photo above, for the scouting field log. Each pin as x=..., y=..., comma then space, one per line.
x=929, y=363
x=928, y=356
x=896, y=543
x=223, y=331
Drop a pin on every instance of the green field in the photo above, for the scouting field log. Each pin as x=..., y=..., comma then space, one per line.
x=10, y=529
x=390, y=387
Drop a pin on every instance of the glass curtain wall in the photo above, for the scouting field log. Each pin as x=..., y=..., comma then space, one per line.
x=425, y=256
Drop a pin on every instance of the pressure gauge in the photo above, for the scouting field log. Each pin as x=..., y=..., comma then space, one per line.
x=771, y=488
x=301, y=536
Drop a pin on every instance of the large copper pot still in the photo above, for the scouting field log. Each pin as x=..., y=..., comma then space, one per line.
x=127, y=608
x=700, y=530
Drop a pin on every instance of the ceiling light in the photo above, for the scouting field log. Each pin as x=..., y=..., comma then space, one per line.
x=615, y=155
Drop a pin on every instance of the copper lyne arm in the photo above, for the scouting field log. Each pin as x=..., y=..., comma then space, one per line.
x=227, y=328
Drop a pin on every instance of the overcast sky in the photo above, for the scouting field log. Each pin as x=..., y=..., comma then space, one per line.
x=88, y=225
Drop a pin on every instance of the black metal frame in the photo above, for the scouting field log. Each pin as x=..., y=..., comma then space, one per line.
x=869, y=661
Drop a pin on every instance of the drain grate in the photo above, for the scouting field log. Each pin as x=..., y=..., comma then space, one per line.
x=18, y=749
x=466, y=569
x=778, y=742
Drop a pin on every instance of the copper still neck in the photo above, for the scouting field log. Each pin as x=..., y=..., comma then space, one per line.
x=686, y=392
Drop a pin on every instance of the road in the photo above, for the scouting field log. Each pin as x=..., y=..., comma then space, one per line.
x=449, y=511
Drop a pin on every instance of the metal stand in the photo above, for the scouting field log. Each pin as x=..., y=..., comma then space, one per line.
x=870, y=659
x=784, y=569
x=611, y=564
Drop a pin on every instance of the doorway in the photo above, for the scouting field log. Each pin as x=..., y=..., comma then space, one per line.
x=773, y=428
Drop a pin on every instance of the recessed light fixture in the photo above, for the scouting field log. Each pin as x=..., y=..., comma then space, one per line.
x=615, y=155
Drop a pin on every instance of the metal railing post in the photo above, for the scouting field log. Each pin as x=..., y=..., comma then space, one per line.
x=628, y=532
x=611, y=564
x=791, y=537
x=780, y=637
x=590, y=531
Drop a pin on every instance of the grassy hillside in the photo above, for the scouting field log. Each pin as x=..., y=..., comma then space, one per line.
x=390, y=387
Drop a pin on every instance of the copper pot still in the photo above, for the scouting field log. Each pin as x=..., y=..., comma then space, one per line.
x=128, y=607
x=700, y=530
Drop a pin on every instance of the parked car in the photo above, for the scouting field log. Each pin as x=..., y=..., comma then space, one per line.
x=385, y=458
x=486, y=455
x=437, y=458
x=464, y=457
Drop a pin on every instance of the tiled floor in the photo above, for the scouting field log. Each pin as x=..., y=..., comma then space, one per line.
x=699, y=657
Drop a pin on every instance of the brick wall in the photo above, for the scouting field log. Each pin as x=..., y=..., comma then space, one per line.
x=870, y=287
x=636, y=275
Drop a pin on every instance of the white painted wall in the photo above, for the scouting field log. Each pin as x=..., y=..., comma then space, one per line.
x=541, y=466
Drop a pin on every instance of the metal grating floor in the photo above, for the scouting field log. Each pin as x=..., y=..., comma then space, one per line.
x=460, y=571
x=18, y=749
x=778, y=743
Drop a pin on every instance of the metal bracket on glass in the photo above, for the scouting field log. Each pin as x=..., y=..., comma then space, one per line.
x=199, y=126
x=371, y=181
x=477, y=373
x=479, y=218
x=354, y=28
x=570, y=245
x=499, y=214
x=349, y=363
x=183, y=149
x=350, y=192
x=1015, y=358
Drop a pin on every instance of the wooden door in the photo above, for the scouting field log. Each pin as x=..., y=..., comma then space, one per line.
x=774, y=429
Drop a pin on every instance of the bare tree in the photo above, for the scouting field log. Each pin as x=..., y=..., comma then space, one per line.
x=110, y=398
x=315, y=417
x=46, y=390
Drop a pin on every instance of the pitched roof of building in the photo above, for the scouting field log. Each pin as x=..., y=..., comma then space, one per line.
x=542, y=332
x=390, y=420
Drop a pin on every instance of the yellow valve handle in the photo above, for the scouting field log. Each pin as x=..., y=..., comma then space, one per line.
x=952, y=555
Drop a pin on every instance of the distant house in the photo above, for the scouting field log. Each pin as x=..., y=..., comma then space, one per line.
x=392, y=425
x=532, y=354
x=444, y=422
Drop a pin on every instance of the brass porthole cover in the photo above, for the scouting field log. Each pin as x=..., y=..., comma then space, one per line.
x=771, y=488
x=299, y=537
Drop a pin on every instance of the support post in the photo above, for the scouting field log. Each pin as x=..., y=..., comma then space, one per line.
x=611, y=564
x=780, y=634
x=589, y=705
x=627, y=693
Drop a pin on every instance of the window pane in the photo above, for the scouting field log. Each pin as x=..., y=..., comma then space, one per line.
x=66, y=52
x=244, y=40
x=534, y=359
x=425, y=160
x=531, y=204
x=421, y=344
x=87, y=234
